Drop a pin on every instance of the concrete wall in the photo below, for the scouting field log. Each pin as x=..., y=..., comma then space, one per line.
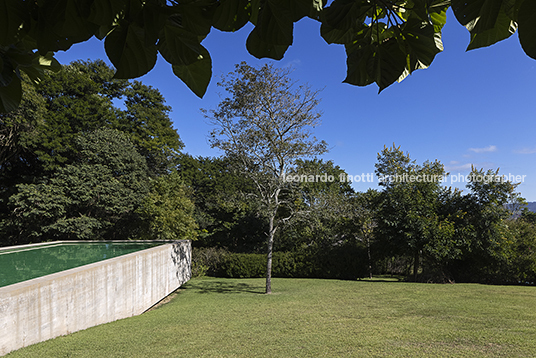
x=75, y=299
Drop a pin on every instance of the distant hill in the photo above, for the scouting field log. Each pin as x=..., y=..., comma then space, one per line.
x=532, y=206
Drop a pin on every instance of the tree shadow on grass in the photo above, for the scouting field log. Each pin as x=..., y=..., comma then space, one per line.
x=384, y=278
x=226, y=287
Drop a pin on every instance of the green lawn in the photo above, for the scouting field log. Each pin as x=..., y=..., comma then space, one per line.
x=311, y=318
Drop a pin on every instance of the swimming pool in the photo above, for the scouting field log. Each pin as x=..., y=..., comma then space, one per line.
x=21, y=263
x=109, y=289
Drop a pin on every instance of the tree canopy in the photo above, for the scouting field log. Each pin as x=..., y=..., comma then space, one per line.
x=384, y=40
x=445, y=233
x=80, y=99
x=226, y=215
x=95, y=197
x=74, y=166
x=167, y=211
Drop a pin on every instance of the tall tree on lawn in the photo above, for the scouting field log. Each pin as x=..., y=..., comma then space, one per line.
x=265, y=124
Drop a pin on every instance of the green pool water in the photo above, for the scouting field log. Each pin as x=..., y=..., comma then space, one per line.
x=24, y=263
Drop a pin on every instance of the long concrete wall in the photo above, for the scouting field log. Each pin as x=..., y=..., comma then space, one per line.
x=86, y=296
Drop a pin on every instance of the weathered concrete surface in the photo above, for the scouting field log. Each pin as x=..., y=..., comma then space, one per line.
x=105, y=291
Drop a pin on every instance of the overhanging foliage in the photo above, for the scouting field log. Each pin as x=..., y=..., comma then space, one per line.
x=385, y=40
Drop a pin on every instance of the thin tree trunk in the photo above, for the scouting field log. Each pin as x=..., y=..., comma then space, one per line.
x=369, y=258
x=416, y=265
x=269, y=256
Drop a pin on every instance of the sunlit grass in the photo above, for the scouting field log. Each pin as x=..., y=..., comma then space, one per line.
x=310, y=318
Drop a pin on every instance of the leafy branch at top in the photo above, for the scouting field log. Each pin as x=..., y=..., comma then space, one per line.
x=385, y=40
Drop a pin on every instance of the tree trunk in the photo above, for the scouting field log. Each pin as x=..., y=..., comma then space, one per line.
x=416, y=265
x=369, y=258
x=271, y=233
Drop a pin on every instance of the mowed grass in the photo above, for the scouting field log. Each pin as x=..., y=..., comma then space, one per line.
x=212, y=317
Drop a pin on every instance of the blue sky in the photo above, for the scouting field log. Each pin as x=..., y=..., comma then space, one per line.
x=468, y=108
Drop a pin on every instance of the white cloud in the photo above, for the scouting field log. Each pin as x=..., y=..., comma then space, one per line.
x=293, y=64
x=489, y=148
x=526, y=150
x=455, y=166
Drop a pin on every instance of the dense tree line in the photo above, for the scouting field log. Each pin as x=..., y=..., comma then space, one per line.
x=423, y=230
x=73, y=165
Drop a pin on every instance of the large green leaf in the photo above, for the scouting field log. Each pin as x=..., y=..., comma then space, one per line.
x=272, y=34
x=15, y=59
x=489, y=21
x=504, y=28
x=274, y=23
x=341, y=20
x=420, y=43
x=179, y=46
x=40, y=63
x=105, y=12
x=231, y=15
x=12, y=15
x=62, y=23
x=527, y=27
x=380, y=61
x=154, y=19
x=197, y=74
x=478, y=15
x=389, y=63
x=333, y=35
x=357, y=62
x=7, y=71
x=375, y=56
x=43, y=31
x=439, y=19
x=438, y=14
x=386, y=50
x=195, y=16
x=127, y=50
x=261, y=49
x=309, y=8
x=75, y=25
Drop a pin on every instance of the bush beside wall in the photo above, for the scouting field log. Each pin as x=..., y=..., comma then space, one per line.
x=342, y=262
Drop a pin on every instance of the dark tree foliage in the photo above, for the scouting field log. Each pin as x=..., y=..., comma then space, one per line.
x=79, y=99
x=227, y=216
x=167, y=212
x=19, y=131
x=94, y=197
x=408, y=215
x=322, y=205
x=486, y=229
x=40, y=141
x=528, y=216
x=521, y=255
x=444, y=235
x=147, y=122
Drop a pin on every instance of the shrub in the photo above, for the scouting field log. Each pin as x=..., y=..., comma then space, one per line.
x=342, y=262
x=244, y=265
x=285, y=264
x=207, y=261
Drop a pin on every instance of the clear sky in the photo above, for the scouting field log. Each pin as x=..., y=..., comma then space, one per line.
x=469, y=108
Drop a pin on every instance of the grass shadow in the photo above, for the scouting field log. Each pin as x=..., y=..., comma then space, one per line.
x=225, y=287
x=384, y=278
